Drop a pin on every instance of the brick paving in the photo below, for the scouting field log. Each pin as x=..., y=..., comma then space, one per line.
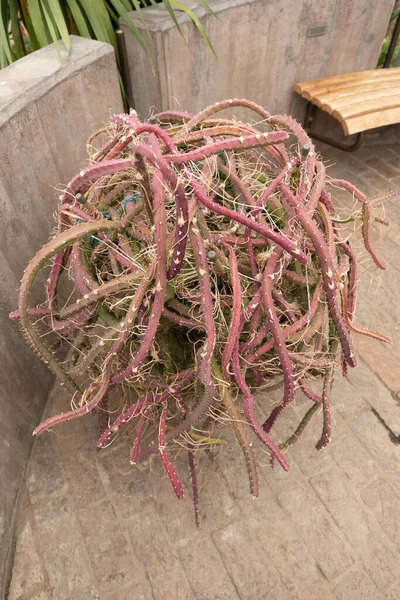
x=91, y=527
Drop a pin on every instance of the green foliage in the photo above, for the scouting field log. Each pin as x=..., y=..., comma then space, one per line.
x=27, y=25
x=386, y=41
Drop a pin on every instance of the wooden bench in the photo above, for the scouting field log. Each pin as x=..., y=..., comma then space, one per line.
x=359, y=101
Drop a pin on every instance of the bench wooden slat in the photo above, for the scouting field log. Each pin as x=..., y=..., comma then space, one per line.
x=353, y=91
x=375, y=98
x=370, y=121
x=359, y=101
x=366, y=107
x=317, y=86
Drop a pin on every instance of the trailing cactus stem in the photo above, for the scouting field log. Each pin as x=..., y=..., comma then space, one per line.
x=51, y=248
x=198, y=261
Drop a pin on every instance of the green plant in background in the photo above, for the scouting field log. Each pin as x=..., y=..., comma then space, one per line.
x=27, y=25
x=386, y=41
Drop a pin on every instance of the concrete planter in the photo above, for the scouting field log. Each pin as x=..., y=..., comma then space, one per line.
x=263, y=47
x=46, y=115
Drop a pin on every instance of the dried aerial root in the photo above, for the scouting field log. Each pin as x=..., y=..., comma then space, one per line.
x=203, y=258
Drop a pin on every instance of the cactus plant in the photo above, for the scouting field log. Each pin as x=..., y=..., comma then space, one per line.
x=197, y=258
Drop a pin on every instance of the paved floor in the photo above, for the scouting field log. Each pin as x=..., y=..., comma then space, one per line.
x=91, y=527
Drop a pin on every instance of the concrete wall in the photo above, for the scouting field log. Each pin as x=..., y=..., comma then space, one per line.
x=262, y=50
x=46, y=115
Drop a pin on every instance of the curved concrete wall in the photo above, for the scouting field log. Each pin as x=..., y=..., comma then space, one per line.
x=263, y=47
x=47, y=112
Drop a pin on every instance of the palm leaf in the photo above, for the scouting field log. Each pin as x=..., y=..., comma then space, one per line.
x=47, y=21
x=395, y=14
x=168, y=6
x=99, y=19
x=79, y=19
x=208, y=8
x=5, y=50
x=135, y=4
x=29, y=27
x=196, y=21
x=18, y=48
x=52, y=30
x=127, y=5
x=113, y=15
x=37, y=20
x=57, y=16
x=123, y=13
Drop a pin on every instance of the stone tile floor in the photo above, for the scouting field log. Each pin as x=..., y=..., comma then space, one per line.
x=91, y=527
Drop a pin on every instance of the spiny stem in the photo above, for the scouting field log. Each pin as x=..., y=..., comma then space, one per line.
x=195, y=487
x=242, y=143
x=327, y=269
x=168, y=466
x=248, y=405
x=54, y=246
x=282, y=241
x=326, y=409
x=300, y=428
x=236, y=308
x=239, y=429
x=73, y=414
x=160, y=281
x=222, y=105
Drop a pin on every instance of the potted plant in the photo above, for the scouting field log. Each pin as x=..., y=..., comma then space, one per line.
x=198, y=259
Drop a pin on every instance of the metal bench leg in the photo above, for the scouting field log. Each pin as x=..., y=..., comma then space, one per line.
x=346, y=147
x=310, y=111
